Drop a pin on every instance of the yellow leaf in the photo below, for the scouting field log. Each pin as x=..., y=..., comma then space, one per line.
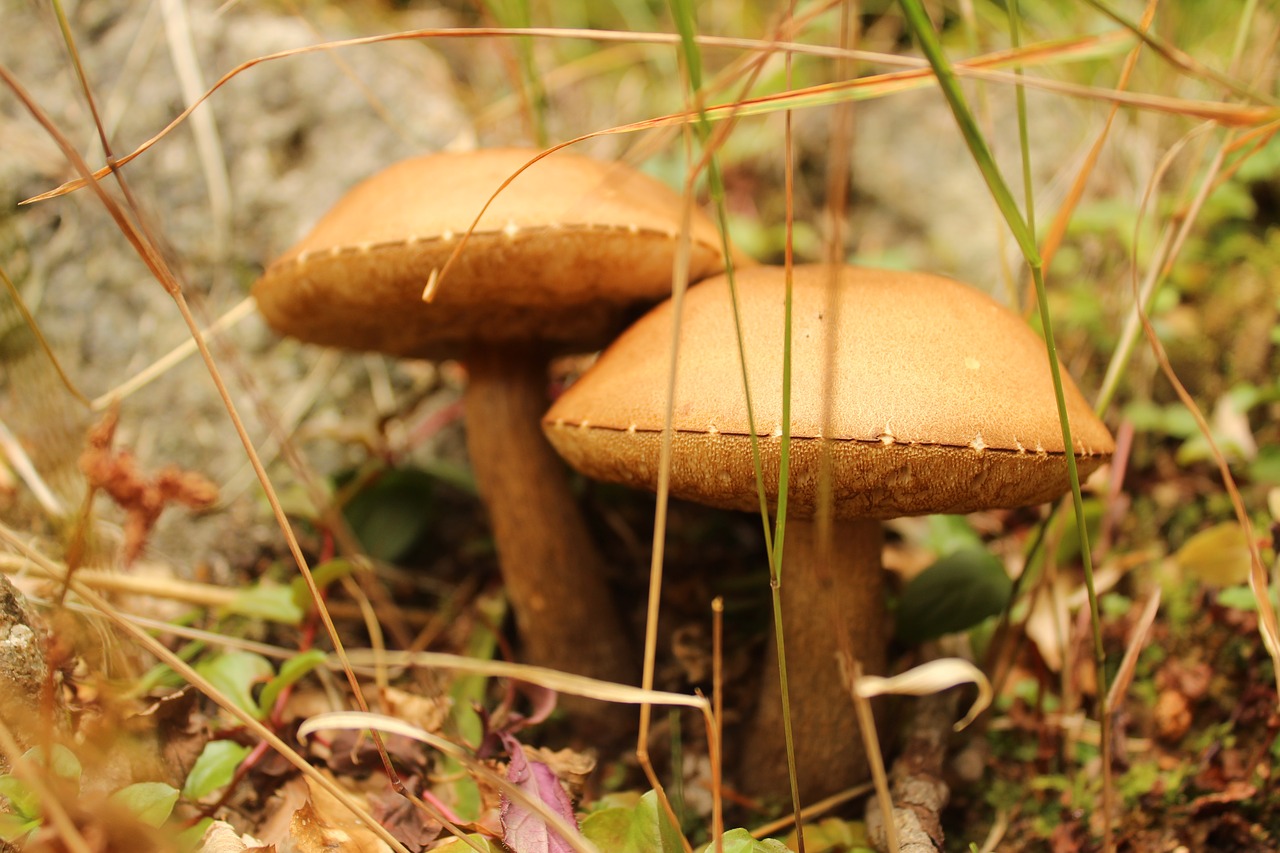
x=1218, y=556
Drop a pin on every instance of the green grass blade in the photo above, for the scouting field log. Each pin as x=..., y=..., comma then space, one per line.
x=947, y=81
x=683, y=13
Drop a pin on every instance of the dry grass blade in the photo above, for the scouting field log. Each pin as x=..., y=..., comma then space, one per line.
x=1137, y=642
x=1259, y=583
x=1180, y=59
x=875, y=86
x=21, y=462
x=172, y=358
x=162, y=653
x=554, y=679
x=462, y=33
x=932, y=677
x=838, y=178
x=1058, y=228
x=182, y=49
x=190, y=592
x=811, y=811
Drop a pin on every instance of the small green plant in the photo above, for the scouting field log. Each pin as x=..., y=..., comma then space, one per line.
x=150, y=802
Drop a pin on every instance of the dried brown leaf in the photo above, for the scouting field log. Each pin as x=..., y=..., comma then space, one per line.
x=324, y=825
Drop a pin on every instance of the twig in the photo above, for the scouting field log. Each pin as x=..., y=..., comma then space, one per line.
x=919, y=793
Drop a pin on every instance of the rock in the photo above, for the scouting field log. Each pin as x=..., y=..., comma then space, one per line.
x=287, y=138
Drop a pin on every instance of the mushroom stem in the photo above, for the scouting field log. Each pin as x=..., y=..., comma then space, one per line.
x=553, y=572
x=817, y=603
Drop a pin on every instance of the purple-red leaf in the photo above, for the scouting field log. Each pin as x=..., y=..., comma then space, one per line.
x=524, y=830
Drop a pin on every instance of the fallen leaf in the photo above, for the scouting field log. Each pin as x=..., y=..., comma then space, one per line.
x=1235, y=792
x=570, y=767
x=426, y=712
x=1051, y=612
x=324, y=825
x=1172, y=715
x=410, y=824
x=220, y=837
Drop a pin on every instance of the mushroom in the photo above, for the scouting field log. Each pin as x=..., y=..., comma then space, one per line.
x=557, y=262
x=941, y=402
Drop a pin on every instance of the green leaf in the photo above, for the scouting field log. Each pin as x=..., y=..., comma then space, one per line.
x=150, y=802
x=15, y=827
x=950, y=533
x=292, y=671
x=21, y=798
x=192, y=837
x=1265, y=468
x=63, y=764
x=1242, y=598
x=1238, y=598
x=391, y=515
x=235, y=674
x=452, y=474
x=214, y=769
x=642, y=829
x=953, y=594
x=741, y=841
x=272, y=602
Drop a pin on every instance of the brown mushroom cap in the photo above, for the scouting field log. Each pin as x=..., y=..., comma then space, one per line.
x=943, y=399
x=558, y=258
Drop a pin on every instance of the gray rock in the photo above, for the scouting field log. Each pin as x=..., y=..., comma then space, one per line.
x=287, y=138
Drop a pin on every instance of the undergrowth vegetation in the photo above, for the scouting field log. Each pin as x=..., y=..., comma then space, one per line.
x=261, y=598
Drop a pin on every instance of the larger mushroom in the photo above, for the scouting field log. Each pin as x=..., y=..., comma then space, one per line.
x=556, y=263
x=941, y=402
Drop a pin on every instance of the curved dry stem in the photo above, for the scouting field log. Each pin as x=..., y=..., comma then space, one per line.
x=554, y=574
x=828, y=747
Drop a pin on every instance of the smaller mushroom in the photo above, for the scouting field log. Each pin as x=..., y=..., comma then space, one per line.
x=941, y=402
x=556, y=263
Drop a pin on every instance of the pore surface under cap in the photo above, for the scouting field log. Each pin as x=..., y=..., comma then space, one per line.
x=558, y=258
x=942, y=399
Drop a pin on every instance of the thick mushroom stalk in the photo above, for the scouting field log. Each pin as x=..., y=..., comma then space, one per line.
x=818, y=603
x=553, y=572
